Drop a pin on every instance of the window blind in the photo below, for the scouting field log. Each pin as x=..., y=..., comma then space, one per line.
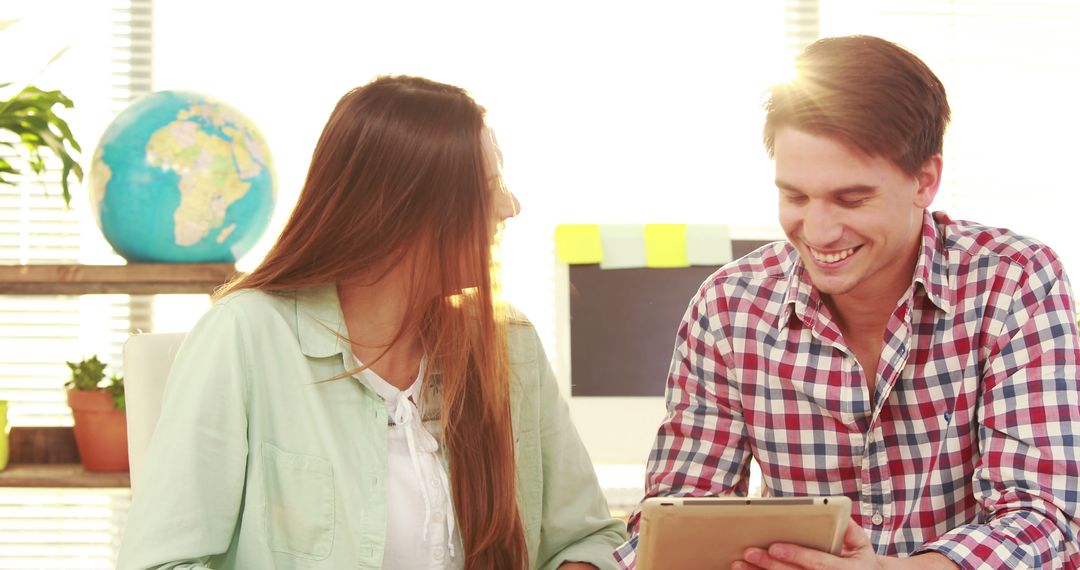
x=801, y=23
x=108, y=40
x=108, y=64
x=61, y=528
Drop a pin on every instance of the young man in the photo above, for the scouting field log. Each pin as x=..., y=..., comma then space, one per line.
x=924, y=367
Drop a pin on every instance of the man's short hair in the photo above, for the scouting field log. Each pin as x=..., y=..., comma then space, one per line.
x=867, y=92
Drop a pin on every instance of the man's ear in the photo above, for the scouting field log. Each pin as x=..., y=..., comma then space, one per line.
x=929, y=179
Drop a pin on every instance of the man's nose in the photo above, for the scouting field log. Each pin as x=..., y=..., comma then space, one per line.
x=821, y=227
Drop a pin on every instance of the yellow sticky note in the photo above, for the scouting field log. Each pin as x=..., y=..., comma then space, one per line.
x=665, y=245
x=578, y=243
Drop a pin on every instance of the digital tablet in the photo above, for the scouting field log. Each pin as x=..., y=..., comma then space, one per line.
x=706, y=533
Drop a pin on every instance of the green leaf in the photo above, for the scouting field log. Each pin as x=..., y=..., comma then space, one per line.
x=37, y=164
x=68, y=168
x=30, y=116
x=58, y=55
x=86, y=374
x=116, y=390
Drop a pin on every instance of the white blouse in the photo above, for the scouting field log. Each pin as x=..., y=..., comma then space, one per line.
x=420, y=531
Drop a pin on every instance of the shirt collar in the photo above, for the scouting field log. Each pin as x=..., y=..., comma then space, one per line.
x=320, y=325
x=800, y=293
x=931, y=272
x=931, y=269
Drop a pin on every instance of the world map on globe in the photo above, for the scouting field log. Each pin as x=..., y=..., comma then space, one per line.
x=180, y=177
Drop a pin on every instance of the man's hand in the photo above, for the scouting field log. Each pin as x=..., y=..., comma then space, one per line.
x=857, y=554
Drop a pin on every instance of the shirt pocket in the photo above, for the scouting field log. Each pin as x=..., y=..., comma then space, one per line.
x=299, y=503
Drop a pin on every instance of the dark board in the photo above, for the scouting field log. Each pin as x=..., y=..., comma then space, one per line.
x=623, y=324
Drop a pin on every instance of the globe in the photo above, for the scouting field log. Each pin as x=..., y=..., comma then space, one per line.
x=180, y=177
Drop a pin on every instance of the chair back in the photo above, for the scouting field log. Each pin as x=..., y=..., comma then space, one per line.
x=147, y=359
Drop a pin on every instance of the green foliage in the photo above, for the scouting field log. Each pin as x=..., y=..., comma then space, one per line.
x=88, y=374
x=29, y=116
x=32, y=126
x=116, y=390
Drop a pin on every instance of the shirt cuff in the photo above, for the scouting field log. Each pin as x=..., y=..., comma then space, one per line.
x=626, y=555
x=984, y=546
x=597, y=553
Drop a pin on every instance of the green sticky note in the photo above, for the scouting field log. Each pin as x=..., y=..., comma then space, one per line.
x=708, y=244
x=578, y=243
x=624, y=246
x=665, y=245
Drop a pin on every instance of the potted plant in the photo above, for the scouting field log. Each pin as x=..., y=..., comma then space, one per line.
x=32, y=127
x=29, y=117
x=98, y=409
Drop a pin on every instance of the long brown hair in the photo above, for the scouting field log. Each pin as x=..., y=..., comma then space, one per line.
x=399, y=169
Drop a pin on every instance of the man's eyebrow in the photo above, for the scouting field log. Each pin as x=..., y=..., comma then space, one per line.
x=837, y=192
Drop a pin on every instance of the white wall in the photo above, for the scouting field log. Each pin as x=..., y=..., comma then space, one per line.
x=606, y=112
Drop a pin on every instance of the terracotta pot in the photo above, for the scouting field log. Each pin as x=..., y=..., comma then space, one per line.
x=100, y=430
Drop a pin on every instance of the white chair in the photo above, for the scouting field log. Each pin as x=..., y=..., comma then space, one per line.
x=147, y=359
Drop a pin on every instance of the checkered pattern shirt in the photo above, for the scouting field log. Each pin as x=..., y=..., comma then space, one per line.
x=970, y=447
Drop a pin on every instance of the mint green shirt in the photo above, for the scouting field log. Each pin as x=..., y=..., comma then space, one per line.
x=255, y=464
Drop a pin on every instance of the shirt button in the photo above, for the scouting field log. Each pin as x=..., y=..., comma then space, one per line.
x=437, y=516
x=437, y=553
x=877, y=519
x=434, y=481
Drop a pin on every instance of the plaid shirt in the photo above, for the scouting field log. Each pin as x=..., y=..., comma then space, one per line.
x=970, y=447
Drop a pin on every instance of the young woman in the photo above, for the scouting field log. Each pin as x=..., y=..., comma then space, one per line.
x=361, y=399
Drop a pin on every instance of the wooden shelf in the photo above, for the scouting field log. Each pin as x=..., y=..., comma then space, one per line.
x=48, y=457
x=60, y=475
x=131, y=279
